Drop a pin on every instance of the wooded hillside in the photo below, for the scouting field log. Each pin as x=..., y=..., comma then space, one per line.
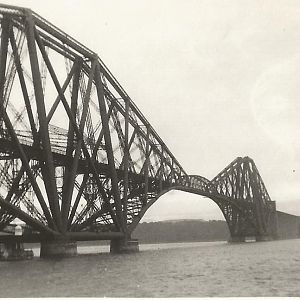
x=181, y=231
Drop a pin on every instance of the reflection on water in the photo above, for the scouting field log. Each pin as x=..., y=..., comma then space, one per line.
x=162, y=270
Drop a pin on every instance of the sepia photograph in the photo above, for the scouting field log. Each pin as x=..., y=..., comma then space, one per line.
x=149, y=149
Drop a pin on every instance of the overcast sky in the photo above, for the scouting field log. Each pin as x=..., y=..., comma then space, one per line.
x=216, y=79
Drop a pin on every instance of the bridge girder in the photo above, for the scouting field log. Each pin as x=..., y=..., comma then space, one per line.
x=77, y=155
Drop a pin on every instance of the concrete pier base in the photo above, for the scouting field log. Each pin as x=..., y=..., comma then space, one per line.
x=14, y=251
x=58, y=249
x=124, y=246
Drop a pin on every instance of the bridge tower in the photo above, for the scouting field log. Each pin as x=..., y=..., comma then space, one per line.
x=252, y=212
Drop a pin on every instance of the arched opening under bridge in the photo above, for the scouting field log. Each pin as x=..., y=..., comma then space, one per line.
x=178, y=205
x=179, y=216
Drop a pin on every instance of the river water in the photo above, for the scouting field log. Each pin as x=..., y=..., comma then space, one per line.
x=203, y=269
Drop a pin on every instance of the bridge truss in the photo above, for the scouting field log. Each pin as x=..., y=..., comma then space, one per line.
x=77, y=157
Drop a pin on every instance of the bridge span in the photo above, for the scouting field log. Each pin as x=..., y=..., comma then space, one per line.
x=78, y=159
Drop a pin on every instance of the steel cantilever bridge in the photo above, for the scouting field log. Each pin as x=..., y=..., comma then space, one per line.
x=78, y=160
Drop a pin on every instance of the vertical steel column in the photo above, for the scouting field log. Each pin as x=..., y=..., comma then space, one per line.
x=161, y=169
x=23, y=85
x=238, y=192
x=126, y=160
x=70, y=170
x=108, y=146
x=48, y=170
x=172, y=171
x=3, y=56
x=70, y=181
x=76, y=202
x=256, y=200
x=147, y=165
x=261, y=206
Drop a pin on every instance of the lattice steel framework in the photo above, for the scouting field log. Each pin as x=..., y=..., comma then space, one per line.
x=77, y=157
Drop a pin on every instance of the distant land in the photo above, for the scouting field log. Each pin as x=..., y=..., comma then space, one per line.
x=181, y=231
